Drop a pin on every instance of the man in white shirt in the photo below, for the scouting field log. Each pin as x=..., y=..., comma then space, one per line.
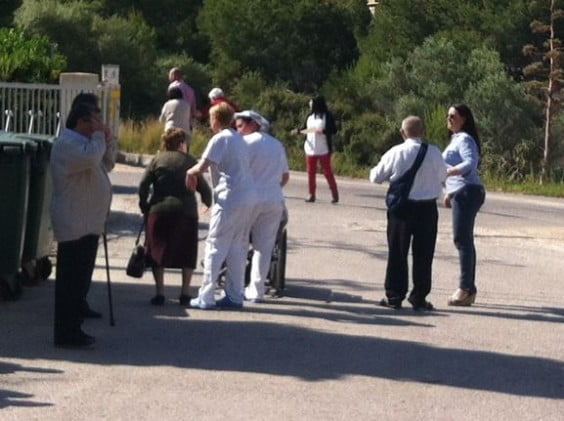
x=418, y=223
x=269, y=167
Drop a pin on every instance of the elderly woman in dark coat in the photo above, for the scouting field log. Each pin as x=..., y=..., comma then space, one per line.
x=171, y=213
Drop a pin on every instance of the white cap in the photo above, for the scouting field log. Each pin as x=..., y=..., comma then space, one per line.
x=262, y=122
x=216, y=93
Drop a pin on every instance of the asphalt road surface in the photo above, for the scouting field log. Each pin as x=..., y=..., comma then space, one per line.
x=324, y=350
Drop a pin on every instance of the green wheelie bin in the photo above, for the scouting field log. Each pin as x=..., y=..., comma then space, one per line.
x=35, y=262
x=15, y=162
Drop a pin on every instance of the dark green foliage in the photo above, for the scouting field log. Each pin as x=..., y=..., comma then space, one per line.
x=197, y=75
x=130, y=44
x=69, y=25
x=7, y=8
x=173, y=21
x=88, y=41
x=299, y=42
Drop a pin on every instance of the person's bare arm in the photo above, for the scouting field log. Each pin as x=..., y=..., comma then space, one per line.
x=193, y=173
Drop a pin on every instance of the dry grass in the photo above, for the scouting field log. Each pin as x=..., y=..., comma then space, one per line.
x=144, y=137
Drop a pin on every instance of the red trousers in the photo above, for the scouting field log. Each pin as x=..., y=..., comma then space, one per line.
x=325, y=161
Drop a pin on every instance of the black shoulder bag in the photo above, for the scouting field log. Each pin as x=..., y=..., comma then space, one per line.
x=397, y=196
x=137, y=261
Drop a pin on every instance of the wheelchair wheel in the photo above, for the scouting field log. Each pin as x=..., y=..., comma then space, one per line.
x=277, y=272
x=282, y=260
x=44, y=268
x=11, y=288
x=248, y=267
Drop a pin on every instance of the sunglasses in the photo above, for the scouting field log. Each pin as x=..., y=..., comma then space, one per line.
x=451, y=116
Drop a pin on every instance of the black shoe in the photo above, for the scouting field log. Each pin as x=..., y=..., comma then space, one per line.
x=421, y=306
x=310, y=199
x=184, y=300
x=384, y=302
x=79, y=340
x=88, y=313
x=275, y=293
x=158, y=300
x=335, y=200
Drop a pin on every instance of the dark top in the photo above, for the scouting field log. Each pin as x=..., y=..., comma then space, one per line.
x=167, y=173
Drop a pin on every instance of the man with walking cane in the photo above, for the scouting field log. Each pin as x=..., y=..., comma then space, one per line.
x=80, y=159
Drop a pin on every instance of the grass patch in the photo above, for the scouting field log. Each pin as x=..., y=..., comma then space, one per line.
x=528, y=186
x=144, y=137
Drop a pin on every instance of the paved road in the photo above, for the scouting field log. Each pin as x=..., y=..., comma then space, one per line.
x=324, y=350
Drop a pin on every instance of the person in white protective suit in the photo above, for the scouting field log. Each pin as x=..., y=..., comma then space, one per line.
x=227, y=156
x=269, y=166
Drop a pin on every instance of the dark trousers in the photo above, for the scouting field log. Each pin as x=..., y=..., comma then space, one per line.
x=75, y=265
x=466, y=203
x=416, y=228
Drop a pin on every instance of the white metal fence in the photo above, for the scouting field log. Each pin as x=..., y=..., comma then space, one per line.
x=42, y=108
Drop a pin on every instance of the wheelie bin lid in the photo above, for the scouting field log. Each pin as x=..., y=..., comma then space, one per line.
x=11, y=142
x=43, y=141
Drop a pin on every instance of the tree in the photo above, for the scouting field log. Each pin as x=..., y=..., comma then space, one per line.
x=69, y=25
x=89, y=40
x=401, y=25
x=173, y=21
x=8, y=7
x=28, y=59
x=547, y=73
x=130, y=43
x=298, y=42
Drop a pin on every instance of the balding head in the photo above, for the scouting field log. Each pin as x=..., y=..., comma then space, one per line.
x=412, y=126
x=175, y=74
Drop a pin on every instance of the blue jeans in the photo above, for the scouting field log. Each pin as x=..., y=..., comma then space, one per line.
x=466, y=203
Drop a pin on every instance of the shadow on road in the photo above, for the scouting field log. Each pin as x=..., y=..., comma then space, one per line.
x=13, y=398
x=169, y=336
x=535, y=314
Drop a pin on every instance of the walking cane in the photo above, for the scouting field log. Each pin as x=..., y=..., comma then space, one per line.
x=112, y=321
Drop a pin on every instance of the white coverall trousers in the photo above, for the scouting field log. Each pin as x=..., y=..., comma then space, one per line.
x=227, y=241
x=263, y=234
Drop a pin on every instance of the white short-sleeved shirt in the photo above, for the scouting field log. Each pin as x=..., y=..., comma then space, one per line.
x=232, y=181
x=268, y=163
x=429, y=179
x=316, y=143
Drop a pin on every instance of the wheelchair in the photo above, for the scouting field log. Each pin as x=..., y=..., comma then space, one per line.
x=276, y=278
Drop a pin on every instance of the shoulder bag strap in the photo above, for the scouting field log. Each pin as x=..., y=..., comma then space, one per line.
x=141, y=228
x=410, y=173
x=419, y=158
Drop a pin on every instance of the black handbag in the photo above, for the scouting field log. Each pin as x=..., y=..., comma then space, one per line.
x=397, y=196
x=138, y=259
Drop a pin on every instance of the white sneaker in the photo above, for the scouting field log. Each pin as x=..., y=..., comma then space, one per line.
x=196, y=303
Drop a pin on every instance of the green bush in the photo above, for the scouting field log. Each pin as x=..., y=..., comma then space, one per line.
x=276, y=39
x=67, y=24
x=197, y=75
x=28, y=58
x=506, y=121
x=435, y=125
